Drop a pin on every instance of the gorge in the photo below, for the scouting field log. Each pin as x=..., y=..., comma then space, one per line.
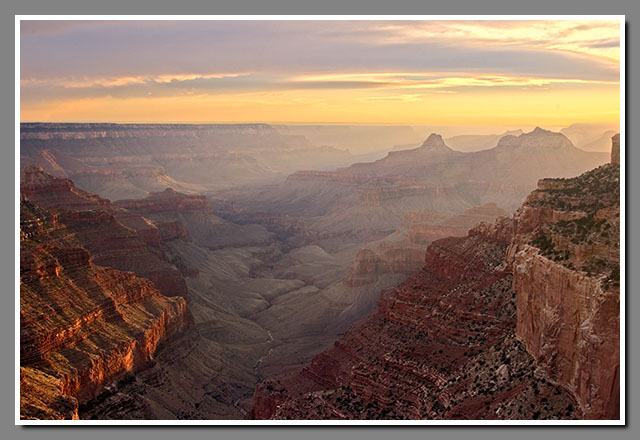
x=398, y=288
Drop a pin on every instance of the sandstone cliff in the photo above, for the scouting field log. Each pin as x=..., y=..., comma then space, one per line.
x=82, y=326
x=441, y=345
x=566, y=257
x=114, y=237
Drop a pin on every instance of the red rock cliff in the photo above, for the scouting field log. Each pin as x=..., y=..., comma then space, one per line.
x=566, y=274
x=114, y=237
x=441, y=345
x=82, y=326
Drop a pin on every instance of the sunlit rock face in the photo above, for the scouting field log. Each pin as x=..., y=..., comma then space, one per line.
x=82, y=326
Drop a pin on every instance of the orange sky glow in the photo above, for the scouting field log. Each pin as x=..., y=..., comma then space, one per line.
x=446, y=73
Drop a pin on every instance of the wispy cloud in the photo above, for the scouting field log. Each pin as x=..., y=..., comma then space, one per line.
x=582, y=37
x=312, y=67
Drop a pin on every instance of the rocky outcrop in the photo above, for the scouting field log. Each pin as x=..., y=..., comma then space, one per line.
x=566, y=275
x=167, y=201
x=369, y=200
x=615, y=149
x=82, y=326
x=177, y=214
x=426, y=227
x=368, y=266
x=115, y=238
x=41, y=397
x=571, y=326
x=441, y=345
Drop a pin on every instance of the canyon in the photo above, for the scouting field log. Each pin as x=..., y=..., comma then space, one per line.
x=519, y=319
x=168, y=261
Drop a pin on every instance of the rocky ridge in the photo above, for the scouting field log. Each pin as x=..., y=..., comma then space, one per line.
x=115, y=237
x=367, y=201
x=517, y=320
x=197, y=216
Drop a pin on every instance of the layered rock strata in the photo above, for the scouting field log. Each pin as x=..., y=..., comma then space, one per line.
x=82, y=326
x=197, y=216
x=566, y=260
x=114, y=237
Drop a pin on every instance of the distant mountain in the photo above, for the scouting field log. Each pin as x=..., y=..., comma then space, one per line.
x=370, y=199
x=591, y=137
x=600, y=144
x=478, y=142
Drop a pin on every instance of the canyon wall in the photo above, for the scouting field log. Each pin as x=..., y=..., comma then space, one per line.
x=565, y=262
x=197, y=216
x=517, y=320
x=114, y=237
x=440, y=345
x=82, y=326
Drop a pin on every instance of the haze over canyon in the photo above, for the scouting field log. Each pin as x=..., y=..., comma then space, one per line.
x=231, y=271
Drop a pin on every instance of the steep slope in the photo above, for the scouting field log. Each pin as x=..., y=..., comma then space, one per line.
x=441, y=345
x=517, y=320
x=114, y=237
x=213, y=358
x=384, y=263
x=196, y=214
x=82, y=326
x=566, y=259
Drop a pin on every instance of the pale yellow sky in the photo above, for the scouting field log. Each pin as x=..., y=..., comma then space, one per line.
x=446, y=73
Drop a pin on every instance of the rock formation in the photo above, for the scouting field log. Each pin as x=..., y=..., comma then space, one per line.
x=369, y=200
x=114, y=237
x=82, y=326
x=615, y=149
x=121, y=161
x=196, y=214
x=441, y=345
x=566, y=259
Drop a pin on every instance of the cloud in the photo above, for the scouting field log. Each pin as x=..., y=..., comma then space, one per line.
x=561, y=35
x=370, y=62
x=131, y=48
x=165, y=85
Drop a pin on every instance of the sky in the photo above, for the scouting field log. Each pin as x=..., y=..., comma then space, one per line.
x=501, y=73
